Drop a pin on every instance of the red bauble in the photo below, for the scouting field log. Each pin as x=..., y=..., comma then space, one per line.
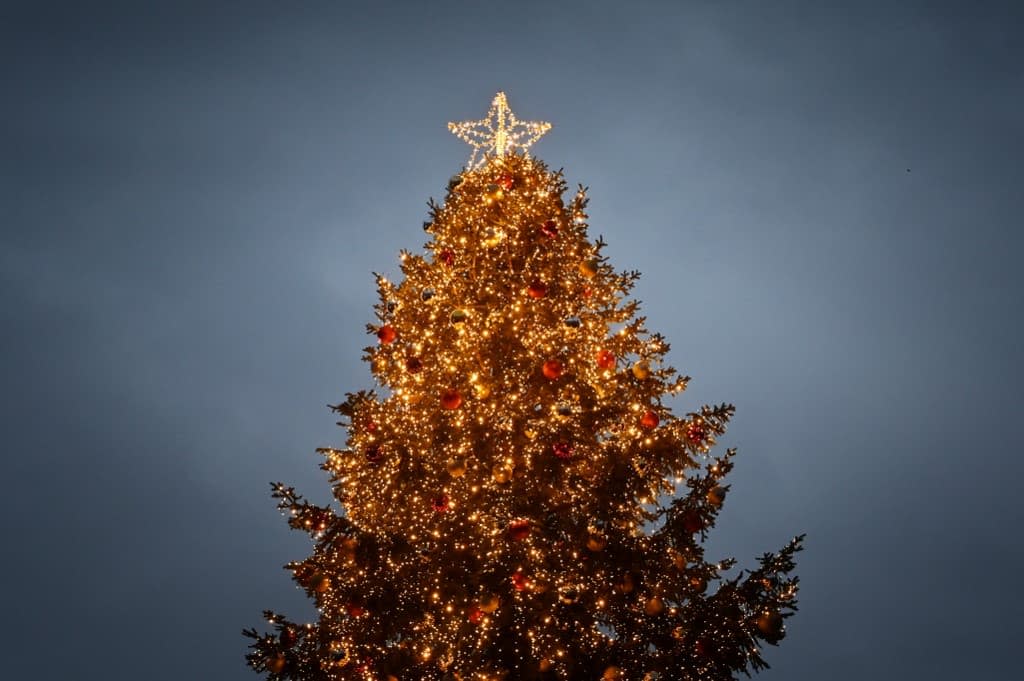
x=696, y=433
x=605, y=359
x=519, y=530
x=519, y=581
x=373, y=453
x=476, y=615
x=451, y=399
x=552, y=369
x=386, y=334
x=549, y=229
x=692, y=522
x=563, y=450
x=587, y=292
x=355, y=610
x=505, y=181
x=447, y=257
x=413, y=365
x=371, y=427
x=537, y=289
x=289, y=637
x=649, y=420
x=440, y=503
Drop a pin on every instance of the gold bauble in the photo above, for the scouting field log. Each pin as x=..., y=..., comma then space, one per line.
x=588, y=268
x=501, y=473
x=611, y=674
x=456, y=466
x=489, y=603
x=627, y=584
x=481, y=390
x=320, y=582
x=716, y=495
x=596, y=542
x=545, y=665
x=654, y=606
x=276, y=663
x=642, y=369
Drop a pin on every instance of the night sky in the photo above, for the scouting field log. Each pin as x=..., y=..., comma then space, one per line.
x=824, y=199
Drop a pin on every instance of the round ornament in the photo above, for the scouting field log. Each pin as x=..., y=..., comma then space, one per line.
x=447, y=257
x=549, y=229
x=476, y=615
x=386, y=334
x=612, y=673
x=413, y=365
x=289, y=637
x=456, y=466
x=692, y=522
x=451, y=399
x=276, y=663
x=770, y=624
x=455, y=181
x=627, y=583
x=654, y=606
x=440, y=503
x=573, y=322
x=698, y=584
x=481, y=390
x=319, y=582
x=519, y=530
x=588, y=268
x=459, y=316
x=716, y=495
x=696, y=433
x=537, y=289
x=506, y=181
x=426, y=294
x=489, y=603
x=605, y=359
x=552, y=369
x=493, y=192
x=562, y=450
x=373, y=453
x=596, y=542
x=641, y=370
x=501, y=473
x=649, y=420
x=519, y=581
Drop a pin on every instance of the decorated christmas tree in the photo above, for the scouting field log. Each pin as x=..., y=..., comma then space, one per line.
x=517, y=499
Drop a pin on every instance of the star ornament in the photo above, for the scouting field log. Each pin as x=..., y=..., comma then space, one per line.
x=499, y=133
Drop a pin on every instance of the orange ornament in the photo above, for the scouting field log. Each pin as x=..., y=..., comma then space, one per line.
x=552, y=369
x=606, y=359
x=519, y=530
x=276, y=663
x=451, y=399
x=386, y=334
x=649, y=420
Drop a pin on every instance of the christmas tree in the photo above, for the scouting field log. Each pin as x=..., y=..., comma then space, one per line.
x=519, y=500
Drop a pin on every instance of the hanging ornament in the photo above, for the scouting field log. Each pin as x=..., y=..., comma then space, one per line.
x=627, y=583
x=506, y=181
x=492, y=236
x=392, y=305
x=692, y=522
x=289, y=637
x=537, y=289
x=770, y=624
x=569, y=595
x=459, y=316
x=588, y=268
x=426, y=294
x=545, y=665
x=612, y=673
x=573, y=322
x=679, y=633
x=276, y=663
x=373, y=453
x=456, y=466
x=642, y=369
x=501, y=473
x=481, y=390
x=563, y=410
x=596, y=542
x=440, y=503
x=552, y=369
x=605, y=359
x=447, y=257
x=489, y=603
x=649, y=420
x=696, y=433
x=319, y=582
x=716, y=495
x=698, y=584
x=454, y=182
x=654, y=606
x=493, y=193
x=413, y=365
x=476, y=615
x=562, y=450
x=549, y=229
x=519, y=581
x=386, y=334
x=355, y=610
x=451, y=399
x=519, y=530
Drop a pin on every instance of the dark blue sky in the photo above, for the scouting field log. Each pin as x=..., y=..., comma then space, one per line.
x=824, y=198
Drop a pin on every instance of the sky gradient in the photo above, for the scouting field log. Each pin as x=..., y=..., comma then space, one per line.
x=824, y=199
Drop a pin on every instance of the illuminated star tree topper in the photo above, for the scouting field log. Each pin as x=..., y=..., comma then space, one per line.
x=499, y=133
